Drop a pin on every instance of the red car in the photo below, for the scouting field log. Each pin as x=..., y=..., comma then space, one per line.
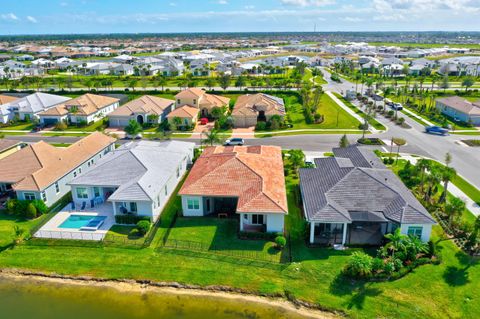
x=203, y=121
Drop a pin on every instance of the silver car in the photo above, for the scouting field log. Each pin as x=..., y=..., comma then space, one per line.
x=234, y=141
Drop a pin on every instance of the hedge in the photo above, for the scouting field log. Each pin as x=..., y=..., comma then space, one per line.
x=129, y=219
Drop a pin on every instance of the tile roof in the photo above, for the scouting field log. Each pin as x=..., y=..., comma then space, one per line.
x=185, y=111
x=7, y=144
x=86, y=104
x=337, y=192
x=145, y=168
x=4, y=99
x=249, y=104
x=38, y=165
x=254, y=174
x=148, y=104
x=190, y=93
x=461, y=105
x=204, y=99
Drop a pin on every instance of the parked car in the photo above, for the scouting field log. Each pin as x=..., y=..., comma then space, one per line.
x=203, y=121
x=436, y=130
x=396, y=106
x=234, y=141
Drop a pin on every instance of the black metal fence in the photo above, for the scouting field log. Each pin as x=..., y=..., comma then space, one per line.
x=271, y=256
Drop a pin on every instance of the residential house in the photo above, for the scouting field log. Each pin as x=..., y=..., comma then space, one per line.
x=145, y=109
x=243, y=180
x=5, y=113
x=353, y=198
x=252, y=108
x=122, y=69
x=86, y=108
x=42, y=171
x=137, y=178
x=460, y=109
x=30, y=106
x=186, y=114
x=201, y=100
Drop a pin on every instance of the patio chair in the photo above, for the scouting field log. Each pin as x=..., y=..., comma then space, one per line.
x=84, y=205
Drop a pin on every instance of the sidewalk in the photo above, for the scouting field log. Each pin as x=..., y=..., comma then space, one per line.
x=350, y=111
x=411, y=114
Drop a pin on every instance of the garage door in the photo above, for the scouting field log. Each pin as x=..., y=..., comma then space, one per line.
x=50, y=121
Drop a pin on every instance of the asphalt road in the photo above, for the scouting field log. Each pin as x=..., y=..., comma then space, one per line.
x=466, y=160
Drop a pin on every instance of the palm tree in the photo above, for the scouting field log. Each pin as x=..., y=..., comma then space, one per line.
x=399, y=142
x=422, y=166
x=454, y=208
x=396, y=242
x=448, y=173
x=212, y=137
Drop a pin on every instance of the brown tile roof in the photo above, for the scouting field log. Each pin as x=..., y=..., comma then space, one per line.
x=4, y=99
x=7, y=144
x=249, y=104
x=204, y=99
x=145, y=104
x=254, y=174
x=185, y=111
x=37, y=166
x=461, y=105
x=86, y=104
x=190, y=93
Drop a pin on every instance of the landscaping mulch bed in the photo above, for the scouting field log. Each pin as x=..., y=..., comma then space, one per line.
x=370, y=141
x=472, y=143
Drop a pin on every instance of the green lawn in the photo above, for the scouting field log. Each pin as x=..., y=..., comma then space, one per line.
x=19, y=126
x=448, y=290
x=7, y=222
x=372, y=121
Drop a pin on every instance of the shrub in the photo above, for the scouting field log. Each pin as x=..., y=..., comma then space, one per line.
x=143, y=226
x=40, y=206
x=21, y=207
x=389, y=267
x=280, y=241
x=397, y=263
x=31, y=211
x=431, y=248
x=260, y=236
x=377, y=264
x=134, y=233
x=261, y=126
x=11, y=204
x=359, y=265
x=400, y=120
x=60, y=126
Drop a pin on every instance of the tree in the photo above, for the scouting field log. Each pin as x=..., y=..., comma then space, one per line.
x=344, y=141
x=210, y=82
x=162, y=81
x=399, y=142
x=31, y=211
x=396, y=242
x=448, y=173
x=17, y=234
x=224, y=80
x=297, y=159
x=133, y=128
x=216, y=112
x=212, y=137
x=240, y=82
x=468, y=82
x=177, y=122
x=445, y=84
x=454, y=209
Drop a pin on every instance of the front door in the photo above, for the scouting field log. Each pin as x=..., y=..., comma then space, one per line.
x=140, y=119
x=207, y=204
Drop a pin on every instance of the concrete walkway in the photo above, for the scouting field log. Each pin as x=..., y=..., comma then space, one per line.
x=350, y=111
x=411, y=114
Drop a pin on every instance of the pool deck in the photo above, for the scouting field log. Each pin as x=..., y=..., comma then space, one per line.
x=51, y=229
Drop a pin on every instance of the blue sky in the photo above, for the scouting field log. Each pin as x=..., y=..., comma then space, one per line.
x=106, y=16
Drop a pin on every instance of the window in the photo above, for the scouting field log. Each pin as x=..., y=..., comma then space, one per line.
x=29, y=196
x=415, y=231
x=88, y=163
x=57, y=188
x=193, y=203
x=80, y=170
x=44, y=196
x=133, y=207
x=82, y=192
x=194, y=101
x=96, y=191
x=166, y=190
x=178, y=172
x=178, y=101
x=74, y=174
x=257, y=219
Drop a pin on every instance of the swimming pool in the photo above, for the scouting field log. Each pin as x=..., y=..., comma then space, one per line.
x=87, y=222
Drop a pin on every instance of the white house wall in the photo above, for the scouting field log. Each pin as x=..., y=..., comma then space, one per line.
x=192, y=212
x=426, y=230
x=51, y=194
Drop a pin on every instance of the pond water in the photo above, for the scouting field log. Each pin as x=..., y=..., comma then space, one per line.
x=30, y=298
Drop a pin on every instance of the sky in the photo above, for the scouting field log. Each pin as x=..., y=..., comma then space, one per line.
x=164, y=16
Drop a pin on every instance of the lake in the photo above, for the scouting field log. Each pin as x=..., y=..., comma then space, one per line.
x=31, y=298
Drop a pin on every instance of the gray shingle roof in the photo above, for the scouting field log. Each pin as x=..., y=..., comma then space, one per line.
x=139, y=169
x=335, y=191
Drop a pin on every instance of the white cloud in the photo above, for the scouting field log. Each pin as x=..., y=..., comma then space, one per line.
x=390, y=17
x=352, y=19
x=426, y=5
x=9, y=17
x=172, y=4
x=222, y=2
x=249, y=7
x=32, y=19
x=308, y=3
